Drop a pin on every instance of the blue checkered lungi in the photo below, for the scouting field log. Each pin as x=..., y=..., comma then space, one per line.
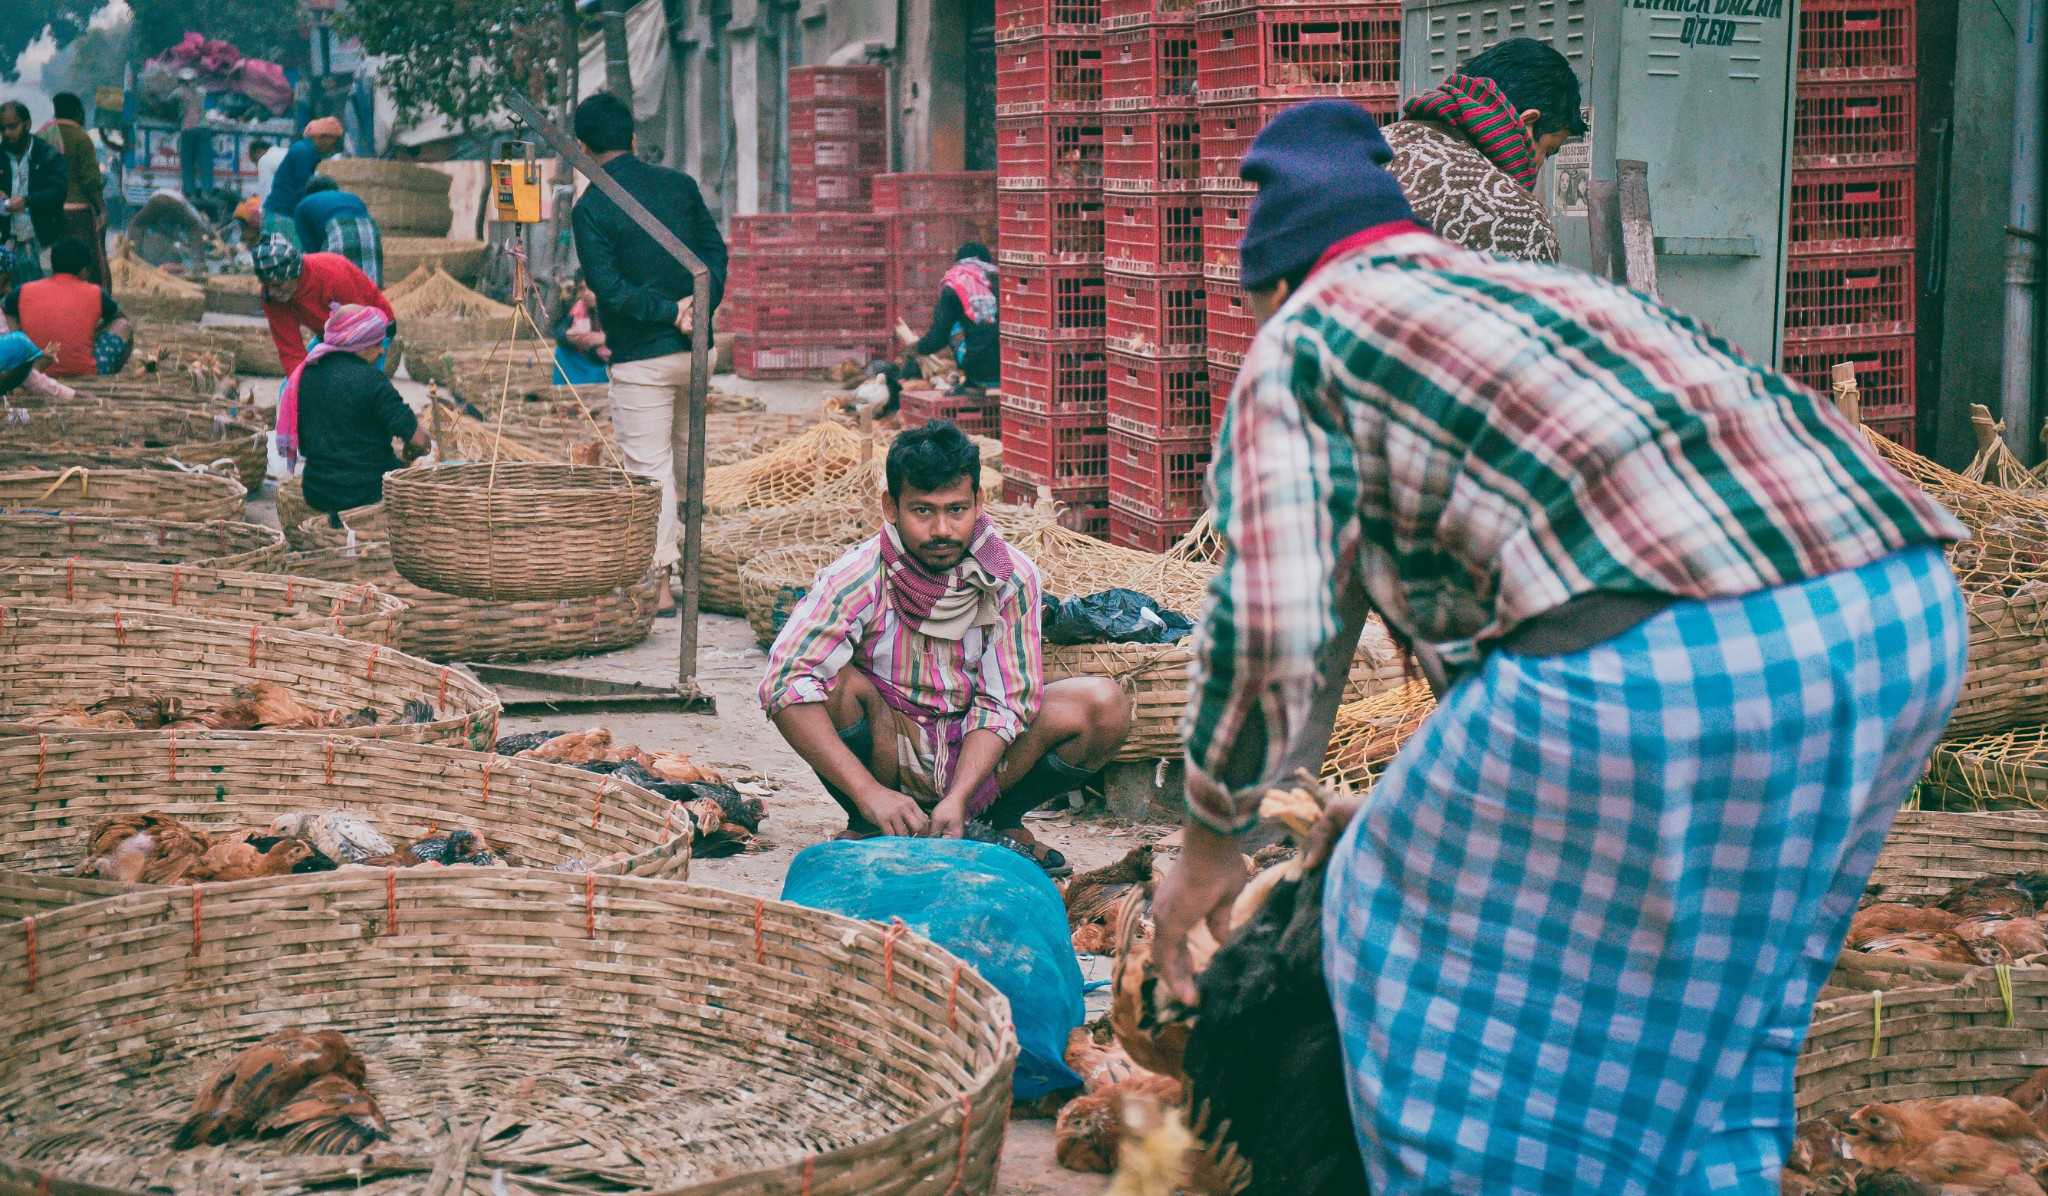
x=1574, y=936
x=357, y=239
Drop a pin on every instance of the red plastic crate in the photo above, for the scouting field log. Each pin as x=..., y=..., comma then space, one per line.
x=1265, y=53
x=808, y=315
x=810, y=235
x=1017, y=19
x=1048, y=74
x=1127, y=530
x=1037, y=152
x=1231, y=323
x=775, y=274
x=1152, y=234
x=838, y=83
x=1852, y=211
x=1161, y=398
x=1055, y=450
x=838, y=118
x=1151, y=66
x=867, y=154
x=1051, y=302
x=941, y=191
x=977, y=415
x=1898, y=431
x=1042, y=228
x=828, y=191
x=1155, y=317
x=1229, y=129
x=1084, y=509
x=1155, y=477
x=1223, y=217
x=1856, y=39
x=776, y=357
x=936, y=234
x=1125, y=14
x=1222, y=380
x=1884, y=371
x=1849, y=295
x=1065, y=377
x=1852, y=124
x=1151, y=151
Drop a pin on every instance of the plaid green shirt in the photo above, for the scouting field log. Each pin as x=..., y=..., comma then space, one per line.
x=1484, y=440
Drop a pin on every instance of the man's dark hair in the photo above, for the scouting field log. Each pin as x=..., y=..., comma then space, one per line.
x=321, y=182
x=19, y=109
x=604, y=123
x=258, y=148
x=974, y=249
x=68, y=107
x=70, y=256
x=1534, y=75
x=932, y=457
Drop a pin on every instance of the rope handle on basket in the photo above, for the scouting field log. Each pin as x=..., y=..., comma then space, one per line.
x=1876, y=1020
x=487, y=781
x=84, y=476
x=42, y=760
x=255, y=637
x=590, y=904
x=370, y=670
x=890, y=937
x=198, y=920
x=390, y=901
x=171, y=749
x=440, y=698
x=2004, y=973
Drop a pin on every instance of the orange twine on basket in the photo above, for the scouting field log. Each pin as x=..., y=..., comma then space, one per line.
x=42, y=760
x=390, y=901
x=255, y=637
x=896, y=931
x=172, y=746
x=29, y=924
x=966, y=1124
x=487, y=780
x=441, y=698
x=809, y=1163
x=760, y=905
x=330, y=759
x=370, y=670
x=597, y=806
x=289, y=583
x=198, y=920
x=666, y=816
x=120, y=632
x=590, y=904
x=43, y=1183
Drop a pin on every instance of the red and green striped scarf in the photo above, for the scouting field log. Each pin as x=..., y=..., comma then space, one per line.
x=1480, y=110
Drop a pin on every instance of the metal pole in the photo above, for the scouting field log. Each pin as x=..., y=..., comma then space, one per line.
x=2022, y=253
x=618, y=67
x=688, y=435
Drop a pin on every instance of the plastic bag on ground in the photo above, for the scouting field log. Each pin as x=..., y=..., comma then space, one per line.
x=1113, y=617
x=989, y=906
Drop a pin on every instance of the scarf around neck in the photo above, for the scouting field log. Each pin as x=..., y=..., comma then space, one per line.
x=973, y=280
x=350, y=327
x=1479, y=109
x=947, y=605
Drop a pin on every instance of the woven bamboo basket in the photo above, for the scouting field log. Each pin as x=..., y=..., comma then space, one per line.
x=2006, y=770
x=1911, y=1043
x=524, y=1033
x=536, y=815
x=483, y=370
x=791, y=473
x=118, y=430
x=150, y=293
x=53, y=655
x=462, y=258
x=234, y=294
x=357, y=612
x=225, y=348
x=306, y=530
x=521, y=530
x=444, y=627
x=1931, y=851
x=167, y=386
x=731, y=540
x=2005, y=583
x=1371, y=732
x=221, y=544
x=772, y=583
x=123, y=494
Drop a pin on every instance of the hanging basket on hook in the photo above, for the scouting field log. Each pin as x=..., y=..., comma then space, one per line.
x=519, y=531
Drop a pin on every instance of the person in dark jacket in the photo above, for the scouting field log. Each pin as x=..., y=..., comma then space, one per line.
x=646, y=300
x=964, y=318
x=33, y=183
x=346, y=413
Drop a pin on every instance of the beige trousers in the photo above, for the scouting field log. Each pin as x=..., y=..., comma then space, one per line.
x=643, y=395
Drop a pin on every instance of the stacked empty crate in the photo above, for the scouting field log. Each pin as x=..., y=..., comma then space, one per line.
x=1155, y=301
x=1049, y=163
x=930, y=216
x=1849, y=293
x=809, y=290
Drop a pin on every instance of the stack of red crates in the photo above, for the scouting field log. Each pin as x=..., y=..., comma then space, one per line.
x=930, y=216
x=1155, y=306
x=807, y=291
x=1049, y=168
x=838, y=136
x=1849, y=283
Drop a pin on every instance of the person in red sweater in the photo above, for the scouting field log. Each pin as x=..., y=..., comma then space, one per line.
x=76, y=317
x=300, y=289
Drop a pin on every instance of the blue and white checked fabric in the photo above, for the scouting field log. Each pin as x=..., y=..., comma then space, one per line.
x=1574, y=936
x=357, y=239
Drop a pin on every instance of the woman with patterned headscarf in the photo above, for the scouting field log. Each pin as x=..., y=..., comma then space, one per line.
x=964, y=318
x=341, y=414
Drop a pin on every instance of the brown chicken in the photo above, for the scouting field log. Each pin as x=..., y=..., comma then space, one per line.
x=70, y=716
x=332, y=1115
x=1993, y=1118
x=1882, y=1136
x=2031, y=1095
x=1960, y=1163
x=146, y=713
x=2016, y=937
x=1931, y=946
x=1090, y=1130
x=1155, y=1035
x=236, y=858
x=577, y=747
x=1987, y=897
x=1098, y=1064
x=276, y=708
x=1875, y=921
x=1816, y=1166
x=677, y=768
x=237, y=714
x=1092, y=899
x=1094, y=939
x=150, y=848
x=261, y=1080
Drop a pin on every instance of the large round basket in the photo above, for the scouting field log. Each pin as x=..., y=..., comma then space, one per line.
x=225, y=348
x=221, y=544
x=59, y=785
x=1912, y=1043
x=357, y=612
x=518, y=531
x=1928, y=852
x=525, y=1033
x=186, y=390
x=407, y=199
x=731, y=540
x=119, y=429
x=461, y=258
x=447, y=628
x=123, y=493
x=2005, y=580
x=772, y=583
x=362, y=525
x=51, y=656
x=234, y=294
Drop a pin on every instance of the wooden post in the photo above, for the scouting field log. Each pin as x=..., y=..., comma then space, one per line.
x=1848, y=399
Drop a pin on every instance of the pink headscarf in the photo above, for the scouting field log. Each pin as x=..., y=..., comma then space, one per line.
x=350, y=327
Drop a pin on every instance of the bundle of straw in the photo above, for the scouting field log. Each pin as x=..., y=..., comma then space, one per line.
x=148, y=291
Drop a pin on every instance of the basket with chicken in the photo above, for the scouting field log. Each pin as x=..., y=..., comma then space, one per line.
x=240, y=348
x=219, y=544
x=122, y=493
x=503, y=1031
x=359, y=612
x=447, y=628
x=64, y=668
x=113, y=433
x=83, y=813
x=486, y=366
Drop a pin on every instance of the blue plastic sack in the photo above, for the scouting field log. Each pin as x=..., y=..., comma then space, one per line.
x=987, y=905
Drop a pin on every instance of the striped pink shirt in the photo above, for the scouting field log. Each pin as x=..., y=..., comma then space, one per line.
x=993, y=680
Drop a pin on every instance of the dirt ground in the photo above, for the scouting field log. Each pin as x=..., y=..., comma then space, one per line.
x=741, y=744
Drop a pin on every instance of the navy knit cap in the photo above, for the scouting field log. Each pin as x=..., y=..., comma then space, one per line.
x=1320, y=167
